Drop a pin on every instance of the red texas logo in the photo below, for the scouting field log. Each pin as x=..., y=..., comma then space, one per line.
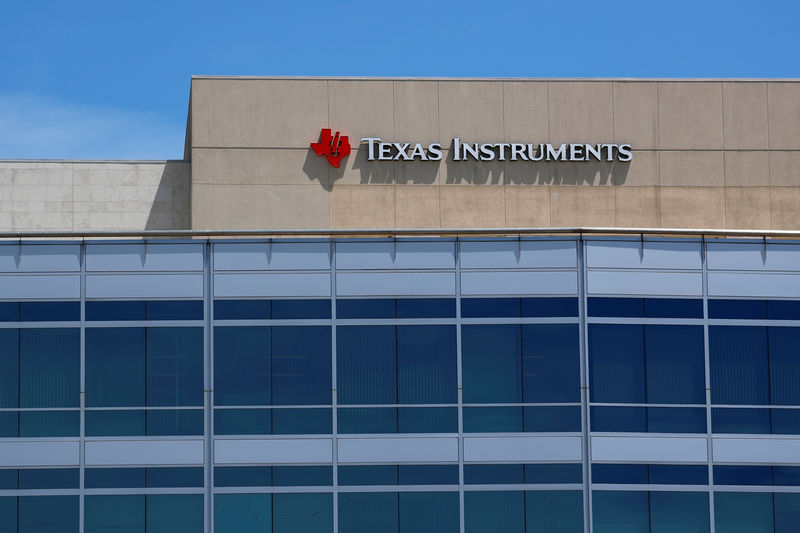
x=333, y=147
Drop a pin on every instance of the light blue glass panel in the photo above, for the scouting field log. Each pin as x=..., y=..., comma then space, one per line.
x=302, y=513
x=492, y=512
x=426, y=364
x=492, y=363
x=242, y=513
x=241, y=366
x=553, y=511
x=174, y=366
x=114, y=514
x=620, y=512
x=679, y=512
x=175, y=513
x=115, y=371
x=49, y=368
x=48, y=514
x=743, y=512
x=428, y=512
x=366, y=358
x=374, y=512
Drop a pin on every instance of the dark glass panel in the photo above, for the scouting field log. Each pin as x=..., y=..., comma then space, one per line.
x=49, y=367
x=175, y=310
x=687, y=512
x=426, y=308
x=174, y=477
x=302, y=476
x=743, y=512
x=9, y=311
x=428, y=474
x=494, y=474
x=783, y=310
x=367, y=420
x=492, y=363
x=241, y=309
x=174, y=513
x=243, y=476
x=368, y=475
x=348, y=309
x=427, y=420
x=366, y=361
x=492, y=512
x=296, y=309
x=492, y=419
x=675, y=362
x=550, y=363
x=242, y=422
x=788, y=476
x=49, y=423
x=490, y=307
x=174, y=366
x=625, y=419
x=547, y=419
x=620, y=512
x=676, y=420
x=115, y=367
x=48, y=514
x=428, y=512
x=242, y=513
x=787, y=512
x=742, y=475
x=784, y=365
x=241, y=366
x=114, y=423
x=739, y=365
x=114, y=478
x=427, y=364
x=554, y=511
x=740, y=421
x=9, y=369
x=673, y=308
x=616, y=307
x=302, y=513
x=302, y=421
x=9, y=424
x=9, y=480
x=737, y=309
x=554, y=473
x=115, y=514
x=174, y=422
x=375, y=512
x=301, y=365
x=679, y=474
x=106, y=311
x=8, y=514
x=785, y=421
x=49, y=311
x=617, y=363
x=49, y=478
x=620, y=473
x=540, y=307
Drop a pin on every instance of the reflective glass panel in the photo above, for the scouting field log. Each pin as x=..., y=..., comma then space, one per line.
x=241, y=366
x=174, y=366
x=739, y=365
x=366, y=358
x=49, y=367
x=115, y=514
x=242, y=513
x=115, y=367
x=491, y=363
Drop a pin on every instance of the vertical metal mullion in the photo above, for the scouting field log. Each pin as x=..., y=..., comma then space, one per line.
x=707, y=364
x=81, y=503
x=584, y=365
x=208, y=388
x=457, y=245
x=334, y=398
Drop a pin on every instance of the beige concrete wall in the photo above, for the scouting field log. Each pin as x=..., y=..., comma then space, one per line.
x=710, y=154
x=83, y=196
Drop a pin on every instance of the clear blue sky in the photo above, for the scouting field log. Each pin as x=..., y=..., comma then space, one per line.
x=110, y=78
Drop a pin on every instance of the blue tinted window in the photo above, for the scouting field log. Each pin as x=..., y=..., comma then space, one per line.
x=740, y=421
x=619, y=419
x=426, y=364
x=9, y=311
x=49, y=424
x=617, y=363
x=679, y=474
x=428, y=512
x=49, y=368
x=742, y=475
x=617, y=512
x=301, y=365
x=676, y=420
x=9, y=369
x=739, y=365
x=427, y=420
x=105, y=311
x=737, y=309
x=554, y=511
x=114, y=514
x=616, y=307
x=736, y=512
x=366, y=358
x=554, y=473
x=175, y=310
x=547, y=419
x=48, y=514
x=539, y=307
x=9, y=480
x=492, y=512
x=301, y=421
x=49, y=311
x=784, y=366
x=302, y=513
x=174, y=477
x=242, y=422
x=242, y=513
x=426, y=308
x=492, y=363
x=174, y=366
x=492, y=419
x=114, y=423
x=634, y=474
x=493, y=474
x=673, y=308
x=243, y=476
x=550, y=363
x=361, y=512
x=174, y=422
x=8, y=514
x=687, y=512
x=241, y=309
x=241, y=366
x=115, y=367
x=787, y=512
x=46, y=478
x=296, y=476
x=365, y=309
x=428, y=474
x=369, y=475
x=785, y=421
x=675, y=362
x=783, y=310
x=171, y=513
x=9, y=424
x=367, y=420
x=114, y=478
x=490, y=307
x=311, y=309
x=786, y=475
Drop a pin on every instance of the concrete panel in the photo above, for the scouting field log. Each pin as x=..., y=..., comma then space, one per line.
x=526, y=173
x=649, y=449
x=273, y=451
x=747, y=169
x=144, y=257
x=395, y=284
x=784, y=205
x=518, y=254
x=784, y=116
x=472, y=207
x=636, y=114
x=272, y=285
x=252, y=166
x=745, y=115
x=520, y=283
x=416, y=206
x=642, y=171
x=395, y=450
x=770, y=449
x=650, y=254
x=693, y=207
x=581, y=111
x=362, y=206
x=144, y=452
x=755, y=285
x=527, y=207
x=747, y=208
x=459, y=116
x=18, y=453
x=690, y=115
x=784, y=168
x=525, y=111
x=582, y=206
x=144, y=286
x=637, y=207
x=40, y=258
x=521, y=449
x=51, y=287
x=643, y=283
x=753, y=256
x=394, y=255
x=362, y=108
x=691, y=169
x=416, y=111
x=290, y=113
x=417, y=173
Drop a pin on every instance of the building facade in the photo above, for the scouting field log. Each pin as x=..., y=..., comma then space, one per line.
x=413, y=305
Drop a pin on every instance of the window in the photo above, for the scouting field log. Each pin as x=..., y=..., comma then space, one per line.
x=650, y=512
x=551, y=511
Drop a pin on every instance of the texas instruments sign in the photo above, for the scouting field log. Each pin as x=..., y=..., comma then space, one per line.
x=336, y=146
